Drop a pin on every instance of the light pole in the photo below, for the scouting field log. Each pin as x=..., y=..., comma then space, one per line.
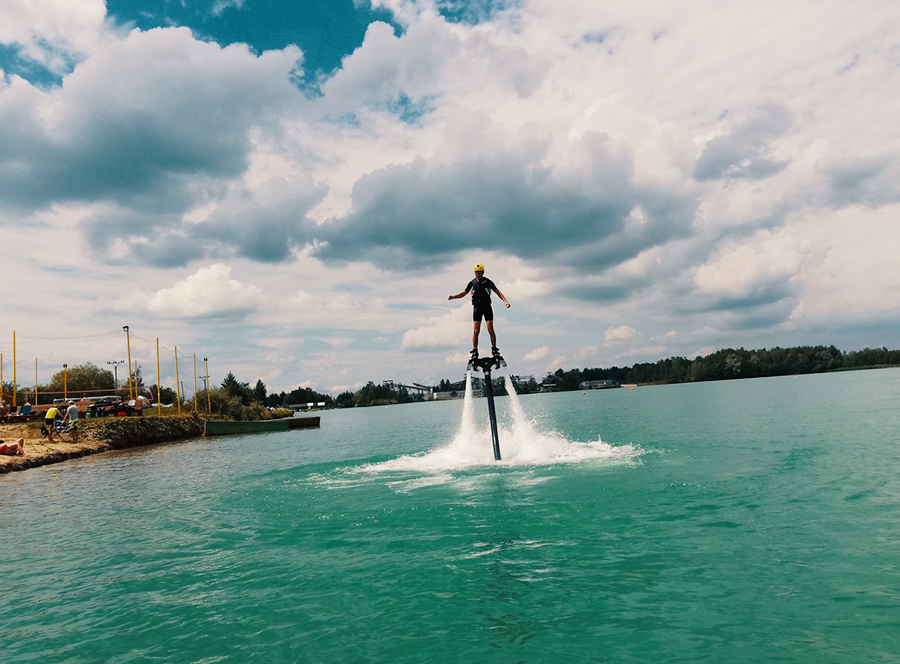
x=66, y=382
x=115, y=365
x=206, y=382
x=128, y=341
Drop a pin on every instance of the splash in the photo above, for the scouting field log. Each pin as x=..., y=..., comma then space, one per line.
x=521, y=443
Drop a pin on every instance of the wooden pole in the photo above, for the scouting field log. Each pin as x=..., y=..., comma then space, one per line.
x=15, y=385
x=130, y=382
x=158, y=400
x=208, y=402
x=177, y=381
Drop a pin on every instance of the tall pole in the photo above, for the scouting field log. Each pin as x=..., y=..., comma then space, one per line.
x=195, y=384
x=35, y=381
x=66, y=382
x=115, y=365
x=158, y=401
x=128, y=342
x=208, y=402
x=486, y=364
x=491, y=412
x=15, y=385
x=177, y=381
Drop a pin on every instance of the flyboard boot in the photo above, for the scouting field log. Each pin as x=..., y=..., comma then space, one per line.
x=495, y=353
x=472, y=360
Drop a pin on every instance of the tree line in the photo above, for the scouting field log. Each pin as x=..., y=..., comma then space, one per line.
x=240, y=401
x=726, y=364
x=731, y=363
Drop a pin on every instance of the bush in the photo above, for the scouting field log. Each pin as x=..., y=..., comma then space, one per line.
x=232, y=407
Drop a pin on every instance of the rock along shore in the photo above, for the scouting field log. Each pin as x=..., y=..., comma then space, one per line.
x=95, y=436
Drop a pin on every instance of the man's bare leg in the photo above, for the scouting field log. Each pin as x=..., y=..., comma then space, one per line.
x=490, y=327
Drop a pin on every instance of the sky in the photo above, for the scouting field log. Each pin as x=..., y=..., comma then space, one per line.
x=293, y=189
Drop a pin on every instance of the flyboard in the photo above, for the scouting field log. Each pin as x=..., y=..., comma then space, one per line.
x=495, y=361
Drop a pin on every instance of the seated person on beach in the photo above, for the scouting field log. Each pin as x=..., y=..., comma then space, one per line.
x=13, y=449
x=4, y=411
x=25, y=409
x=50, y=421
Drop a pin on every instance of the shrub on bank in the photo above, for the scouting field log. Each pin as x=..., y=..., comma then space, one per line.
x=231, y=407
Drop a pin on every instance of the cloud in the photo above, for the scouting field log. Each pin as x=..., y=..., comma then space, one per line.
x=847, y=276
x=744, y=152
x=621, y=333
x=746, y=267
x=53, y=34
x=210, y=291
x=553, y=141
x=457, y=359
x=431, y=210
x=557, y=363
x=148, y=122
x=336, y=310
x=452, y=329
x=537, y=354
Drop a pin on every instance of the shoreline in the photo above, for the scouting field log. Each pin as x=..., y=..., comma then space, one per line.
x=95, y=437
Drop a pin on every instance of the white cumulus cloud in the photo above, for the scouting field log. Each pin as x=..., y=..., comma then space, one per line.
x=621, y=333
x=210, y=291
x=538, y=353
x=453, y=328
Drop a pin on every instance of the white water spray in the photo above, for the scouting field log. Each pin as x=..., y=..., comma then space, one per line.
x=521, y=443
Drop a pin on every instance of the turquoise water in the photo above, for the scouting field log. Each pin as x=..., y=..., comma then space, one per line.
x=741, y=521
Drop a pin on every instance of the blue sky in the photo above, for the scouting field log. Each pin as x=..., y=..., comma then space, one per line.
x=326, y=31
x=293, y=189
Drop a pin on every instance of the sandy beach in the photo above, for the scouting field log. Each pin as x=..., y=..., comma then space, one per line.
x=95, y=436
x=41, y=452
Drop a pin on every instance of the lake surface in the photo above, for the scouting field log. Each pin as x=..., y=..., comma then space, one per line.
x=743, y=521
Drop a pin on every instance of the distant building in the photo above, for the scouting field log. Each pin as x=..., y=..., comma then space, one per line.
x=548, y=385
x=597, y=384
x=521, y=380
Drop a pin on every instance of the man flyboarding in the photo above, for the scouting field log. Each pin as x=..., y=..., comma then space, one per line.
x=481, y=288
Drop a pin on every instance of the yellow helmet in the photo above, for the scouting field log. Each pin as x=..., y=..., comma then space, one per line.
x=479, y=267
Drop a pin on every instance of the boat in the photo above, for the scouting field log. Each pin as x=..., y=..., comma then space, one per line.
x=226, y=428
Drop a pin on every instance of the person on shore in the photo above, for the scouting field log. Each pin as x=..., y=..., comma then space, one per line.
x=50, y=421
x=4, y=411
x=481, y=288
x=71, y=420
x=13, y=449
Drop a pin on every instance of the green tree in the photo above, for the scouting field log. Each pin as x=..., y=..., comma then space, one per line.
x=165, y=395
x=259, y=392
x=81, y=378
x=345, y=400
x=231, y=406
x=235, y=388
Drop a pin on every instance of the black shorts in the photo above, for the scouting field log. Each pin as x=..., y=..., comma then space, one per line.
x=483, y=311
